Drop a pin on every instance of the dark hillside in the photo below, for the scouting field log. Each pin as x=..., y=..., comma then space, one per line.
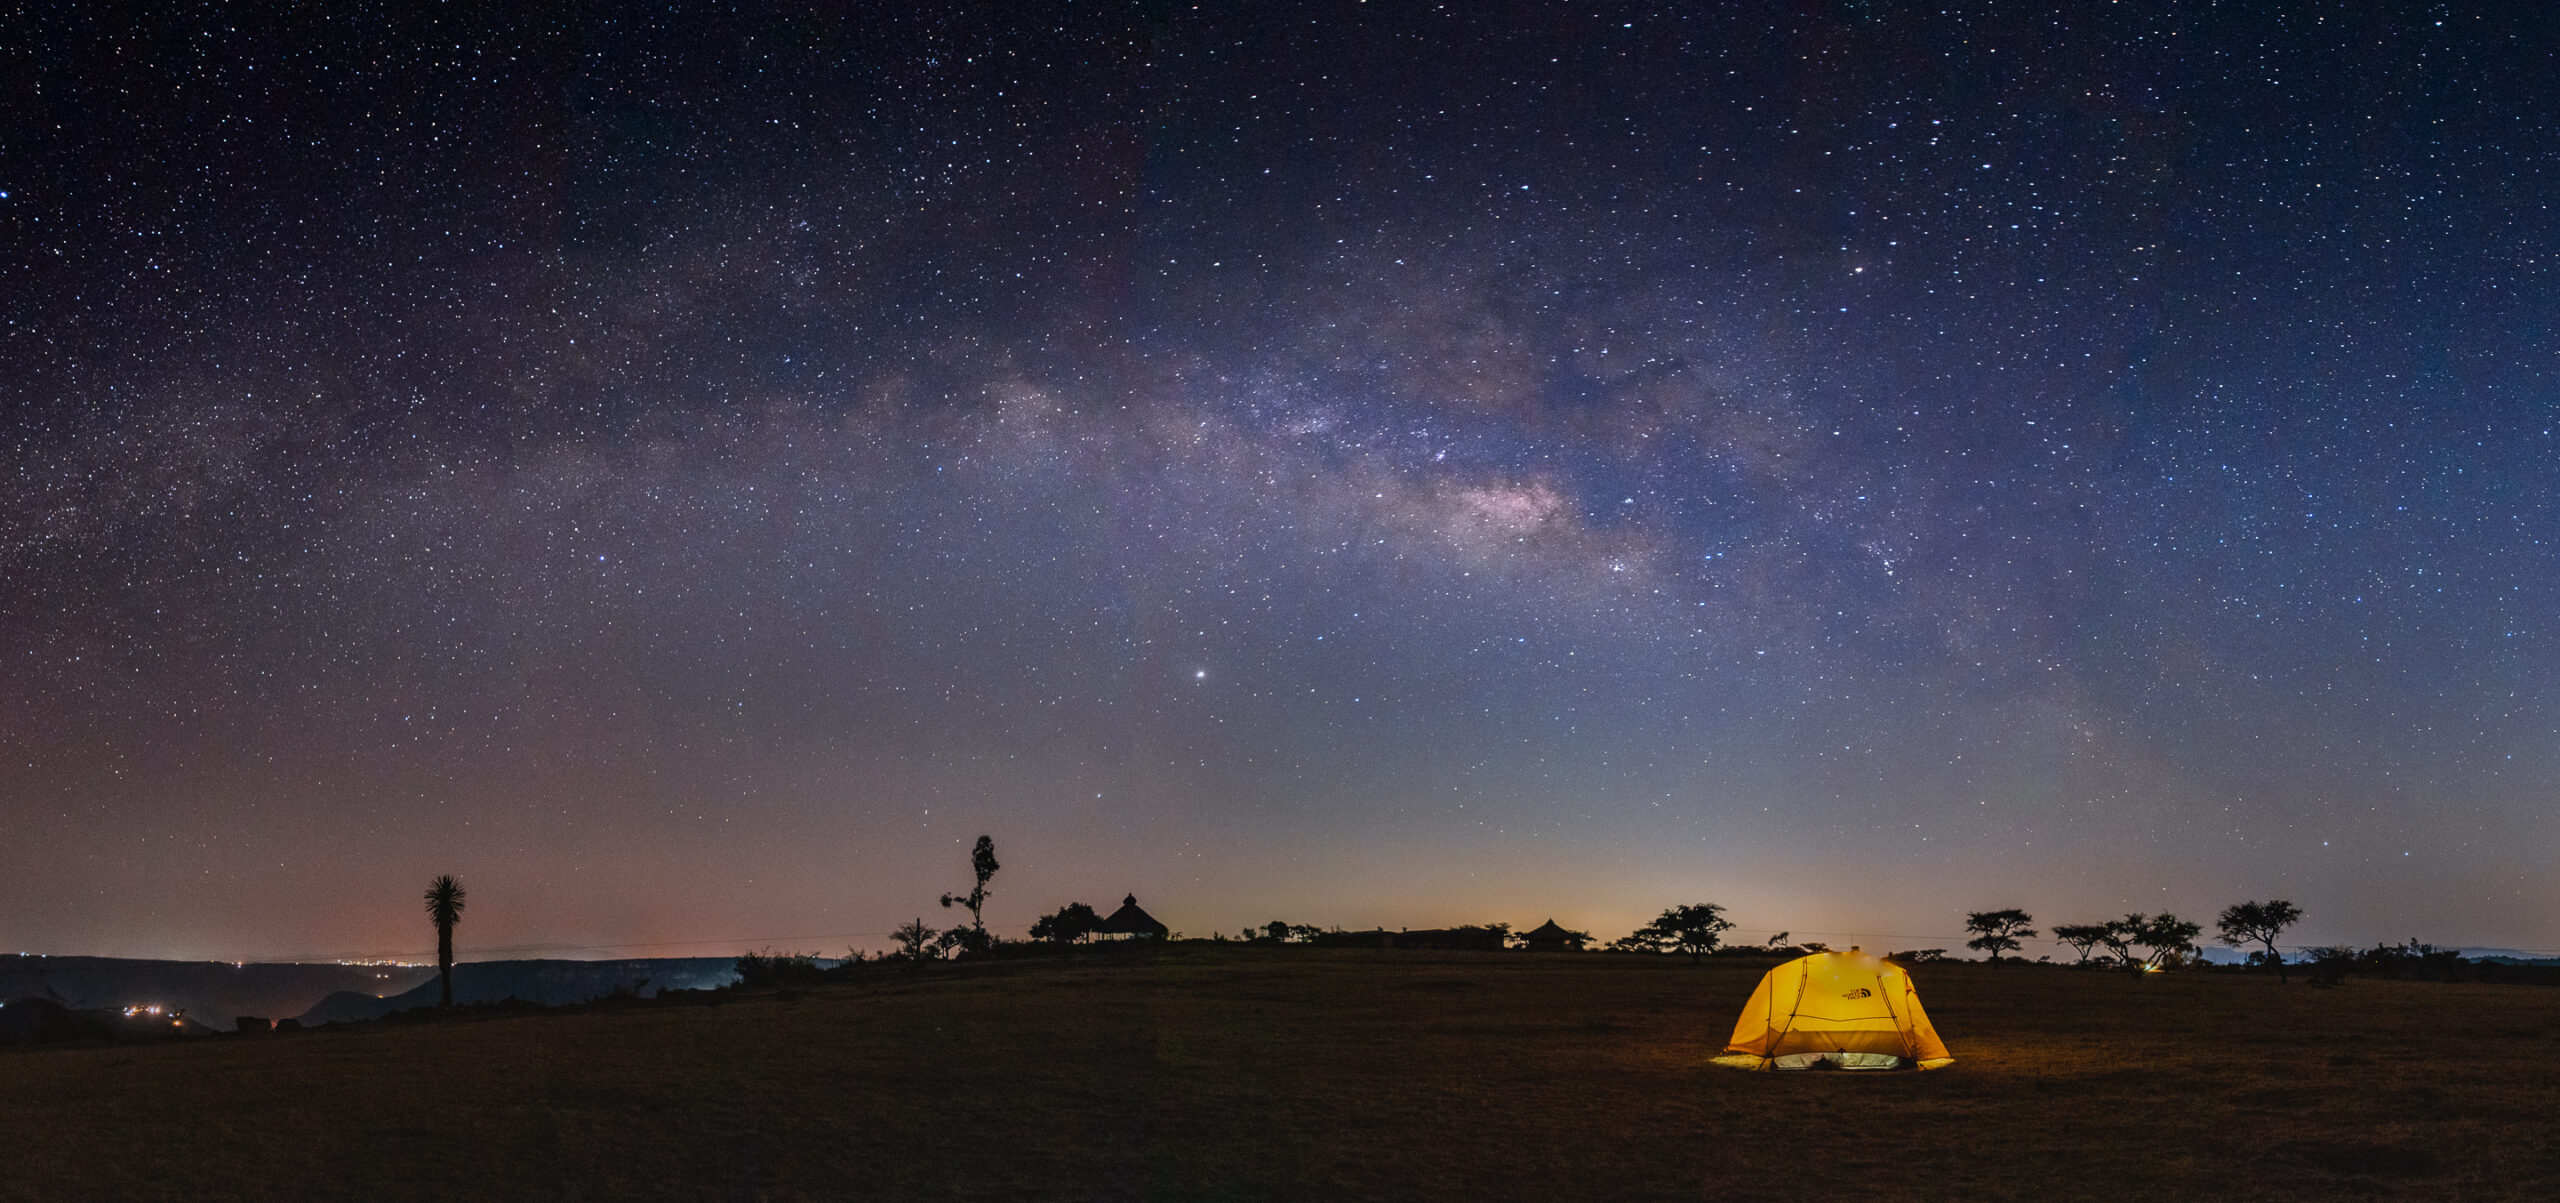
x=210, y=992
x=551, y=983
x=1236, y=1073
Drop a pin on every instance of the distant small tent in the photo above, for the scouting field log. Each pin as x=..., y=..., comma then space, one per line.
x=1132, y=923
x=1547, y=937
x=1835, y=1010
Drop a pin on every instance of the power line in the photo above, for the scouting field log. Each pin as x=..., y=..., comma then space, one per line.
x=739, y=942
x=750, y=943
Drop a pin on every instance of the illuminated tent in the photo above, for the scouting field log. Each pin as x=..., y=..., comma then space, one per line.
x=1835, y=1010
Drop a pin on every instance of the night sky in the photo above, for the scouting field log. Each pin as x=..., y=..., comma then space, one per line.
x=688, y=471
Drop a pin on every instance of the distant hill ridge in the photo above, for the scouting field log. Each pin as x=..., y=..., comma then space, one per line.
x=551, y=983
x=213, y=993
x=216, y=993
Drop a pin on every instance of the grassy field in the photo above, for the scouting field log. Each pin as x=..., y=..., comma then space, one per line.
x=1236, y=1073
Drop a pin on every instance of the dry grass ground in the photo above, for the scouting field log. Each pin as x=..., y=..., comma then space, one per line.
x=1238, y=1073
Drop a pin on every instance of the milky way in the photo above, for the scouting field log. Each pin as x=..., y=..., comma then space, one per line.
x=688, y=474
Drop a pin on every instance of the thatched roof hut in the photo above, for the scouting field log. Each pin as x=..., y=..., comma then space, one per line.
x=1547, y=937
x=1131, y=922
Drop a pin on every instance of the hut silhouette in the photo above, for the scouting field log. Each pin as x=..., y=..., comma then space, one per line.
x=1547, y=937
x=1131, y=922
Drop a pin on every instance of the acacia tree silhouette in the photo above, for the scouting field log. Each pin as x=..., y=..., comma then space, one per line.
x=2259, y=923
x=444, y=907
x=2084, y=938
x=2167, y=936
x=1996, y=932
x=1691, y=929
x=2120, y=935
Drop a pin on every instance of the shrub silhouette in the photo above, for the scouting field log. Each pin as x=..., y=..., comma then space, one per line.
x=2329, y=964
x=757, y=970
x=918, y=943
x=1070, y=923
x=2423, y=962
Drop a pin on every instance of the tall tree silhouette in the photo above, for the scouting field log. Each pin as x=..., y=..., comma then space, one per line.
x=444, y=907
x=982, y=862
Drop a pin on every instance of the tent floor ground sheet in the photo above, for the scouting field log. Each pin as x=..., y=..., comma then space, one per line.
x=1234, y=1072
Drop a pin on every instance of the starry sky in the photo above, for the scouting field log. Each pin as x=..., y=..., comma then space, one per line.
x=688, y=470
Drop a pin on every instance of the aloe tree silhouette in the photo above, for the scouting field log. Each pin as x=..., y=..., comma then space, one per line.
x=444, y=907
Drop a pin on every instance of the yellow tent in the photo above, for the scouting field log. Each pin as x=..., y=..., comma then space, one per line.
x=1835, y=1010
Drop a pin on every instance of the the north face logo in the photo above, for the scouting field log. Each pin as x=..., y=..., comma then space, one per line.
x=1860, y=992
